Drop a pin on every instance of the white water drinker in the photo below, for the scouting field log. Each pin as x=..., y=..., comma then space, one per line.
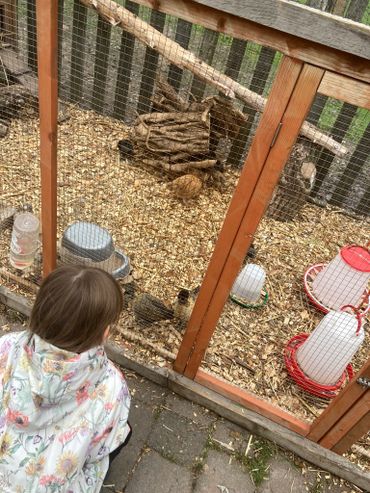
x=249, y=283
x=344, y=280
x=25, y=240
x=325, y=354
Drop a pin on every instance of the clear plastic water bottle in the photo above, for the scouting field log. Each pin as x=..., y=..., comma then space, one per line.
x=25, y=240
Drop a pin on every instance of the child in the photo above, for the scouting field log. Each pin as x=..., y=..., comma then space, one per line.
x=63, y=405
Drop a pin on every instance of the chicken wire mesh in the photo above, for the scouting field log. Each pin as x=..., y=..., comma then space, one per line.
x=357, y=10
x=151, y=153
x=132, y=122
x=309, y=258
x=19, y=144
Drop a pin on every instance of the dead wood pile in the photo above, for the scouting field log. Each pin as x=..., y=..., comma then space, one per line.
x=180, y=136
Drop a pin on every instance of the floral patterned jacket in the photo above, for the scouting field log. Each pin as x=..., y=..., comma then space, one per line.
x=61, y=414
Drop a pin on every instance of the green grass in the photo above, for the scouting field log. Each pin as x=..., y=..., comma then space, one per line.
x=257, y=464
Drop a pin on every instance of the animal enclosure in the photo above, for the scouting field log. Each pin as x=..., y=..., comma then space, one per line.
x=180, y=145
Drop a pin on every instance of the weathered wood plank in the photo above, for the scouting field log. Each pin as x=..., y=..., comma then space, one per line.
x=206, y=52
x=13, y=62
x=60, y=35
x=291, y=45
x=157, y=20
x=300, y=20
x=338, y=131
x=183, y=33
x=352, y=170
x=253, y=403
x=103, y=34
x=348, y=90
x=15, y=301
x=258, y=83
x=124, y=67
x=78, y=51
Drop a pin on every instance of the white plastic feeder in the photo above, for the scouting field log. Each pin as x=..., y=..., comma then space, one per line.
x=344, y=280
x=249, y=283
x=324, y=356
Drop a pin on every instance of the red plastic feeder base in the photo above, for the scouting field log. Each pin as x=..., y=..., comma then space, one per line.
x=301, y=379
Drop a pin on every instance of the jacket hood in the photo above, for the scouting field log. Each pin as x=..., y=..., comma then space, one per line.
x=56, y=375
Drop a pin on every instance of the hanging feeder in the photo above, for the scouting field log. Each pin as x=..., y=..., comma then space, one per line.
x=248, y=290
x=320, y=362
x=341, y=282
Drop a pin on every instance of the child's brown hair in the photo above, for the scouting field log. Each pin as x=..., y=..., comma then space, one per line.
x=74, y=307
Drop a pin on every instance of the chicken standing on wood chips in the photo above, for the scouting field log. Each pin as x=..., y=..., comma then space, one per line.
x=186, y=187
x=149, y=309
x=183, y=306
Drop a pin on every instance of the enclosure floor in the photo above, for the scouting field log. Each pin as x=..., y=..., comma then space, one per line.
x=170, y=244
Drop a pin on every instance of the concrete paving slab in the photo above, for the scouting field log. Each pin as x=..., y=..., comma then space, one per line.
x=232, y=435
x=143, y=390
x=154, y=474
x=177, y=438
x=283, y=477
x=188, y=409
x=222, y=474
x=141, y=419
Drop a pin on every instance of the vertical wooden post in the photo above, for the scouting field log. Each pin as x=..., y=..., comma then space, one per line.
x=290, y=99
x=340, y=406
x=276, y=105
x=47, y=46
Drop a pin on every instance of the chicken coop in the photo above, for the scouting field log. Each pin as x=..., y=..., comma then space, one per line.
x=214, y=158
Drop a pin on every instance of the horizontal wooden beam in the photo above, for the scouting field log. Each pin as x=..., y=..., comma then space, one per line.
x=346, y=89
x=302, y=21
x=252, y=402
x=289, y=44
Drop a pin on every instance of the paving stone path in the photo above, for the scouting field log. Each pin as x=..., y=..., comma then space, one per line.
x=180, y=447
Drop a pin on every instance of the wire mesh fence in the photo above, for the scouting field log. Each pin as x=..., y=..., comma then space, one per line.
x=19, y=144
x=151, y=145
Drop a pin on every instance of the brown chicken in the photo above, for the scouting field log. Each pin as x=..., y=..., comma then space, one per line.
x=183, y=306
x=149, y=309
x=186, y=187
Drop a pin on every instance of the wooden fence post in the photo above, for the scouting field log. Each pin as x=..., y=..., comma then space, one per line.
x=339, y=408
x=47, y=45
x=276, y=106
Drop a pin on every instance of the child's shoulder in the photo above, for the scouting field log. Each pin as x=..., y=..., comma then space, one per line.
x=117, y=383
x=10, y=340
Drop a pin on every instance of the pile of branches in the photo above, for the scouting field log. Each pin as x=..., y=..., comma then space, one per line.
x=180, y=136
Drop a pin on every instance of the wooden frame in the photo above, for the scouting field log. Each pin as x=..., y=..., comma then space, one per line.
x=292, y=45
x=47, y=48
x=302, y=21
x=300, y=76
x=290, y=99
x=346, y=89
x=343, y=421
